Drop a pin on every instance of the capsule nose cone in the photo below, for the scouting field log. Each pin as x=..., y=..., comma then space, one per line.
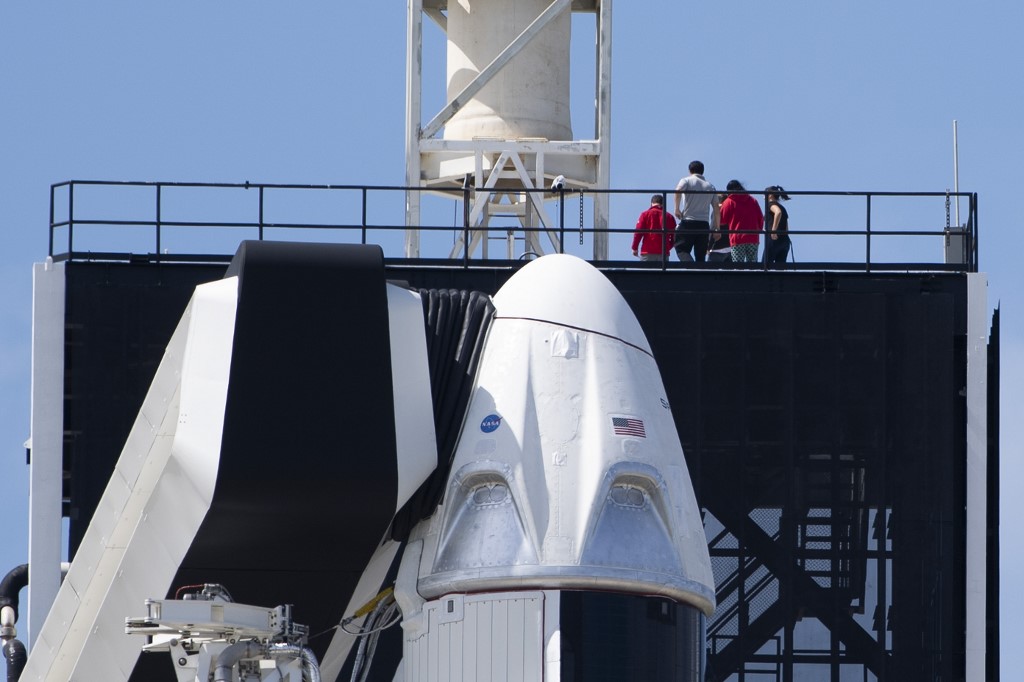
x=569, y=291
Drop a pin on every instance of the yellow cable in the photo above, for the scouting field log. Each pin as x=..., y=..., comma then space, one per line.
x=369, y=606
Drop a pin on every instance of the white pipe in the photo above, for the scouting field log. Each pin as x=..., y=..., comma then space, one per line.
x=7, y=624
x=233, y=654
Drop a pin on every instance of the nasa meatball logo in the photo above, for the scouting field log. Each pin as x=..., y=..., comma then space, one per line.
x=490, y=423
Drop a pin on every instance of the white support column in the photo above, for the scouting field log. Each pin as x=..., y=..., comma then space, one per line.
x=413, y=95
x=604, y=126
x=976, y=554
x=46, y=442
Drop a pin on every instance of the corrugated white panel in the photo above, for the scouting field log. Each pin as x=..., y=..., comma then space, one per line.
x=46, y=443
x=480, y=638
x=153, y=505
x=502, y=646
x=975, y=637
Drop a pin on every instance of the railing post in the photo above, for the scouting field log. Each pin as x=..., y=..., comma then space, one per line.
x=664, y=230
x=974, y=231
x=71, y=217
x=465, y=226
x=51, y=220
x=259, y=229
x=867, y=235
x=561, y=218
x=767, y=236
x=364, y=216
x=159, y=197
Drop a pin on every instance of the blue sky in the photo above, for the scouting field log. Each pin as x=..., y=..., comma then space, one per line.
x=811, y=95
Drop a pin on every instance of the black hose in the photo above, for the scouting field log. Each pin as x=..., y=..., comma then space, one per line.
x=11, y=585
x=15, y=655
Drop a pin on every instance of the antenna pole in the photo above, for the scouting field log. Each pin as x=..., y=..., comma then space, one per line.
x=956, y=174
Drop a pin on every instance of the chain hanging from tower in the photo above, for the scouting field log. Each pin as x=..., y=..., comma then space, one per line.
x=947, y=211
x=581, y=217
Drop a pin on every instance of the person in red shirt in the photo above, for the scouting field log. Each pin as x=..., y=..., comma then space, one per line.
x=742, y=215
x=652, y=245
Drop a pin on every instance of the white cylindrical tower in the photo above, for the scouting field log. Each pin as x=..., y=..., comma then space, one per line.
x=529, y=98
x=506, y=130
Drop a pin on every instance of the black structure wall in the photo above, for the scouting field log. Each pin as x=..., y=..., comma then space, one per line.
x=816, y=415
x=118, y=320
x=821, y=414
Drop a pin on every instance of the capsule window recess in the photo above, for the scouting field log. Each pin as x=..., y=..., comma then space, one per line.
x=490, y=493
x=482, y=526
x=625, y=495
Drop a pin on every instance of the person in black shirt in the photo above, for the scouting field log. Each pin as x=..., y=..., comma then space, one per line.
x=776, y=226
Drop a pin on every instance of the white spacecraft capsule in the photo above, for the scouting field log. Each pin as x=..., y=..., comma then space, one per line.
x=569, y=473
x=568, y=478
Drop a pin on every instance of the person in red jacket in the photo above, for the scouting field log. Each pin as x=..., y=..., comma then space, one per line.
x=742, y=215
x=653, y=221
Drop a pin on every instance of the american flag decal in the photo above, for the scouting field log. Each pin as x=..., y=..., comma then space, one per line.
x=628, y=426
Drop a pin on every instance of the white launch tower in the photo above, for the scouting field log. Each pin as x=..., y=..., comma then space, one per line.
x=506, y=130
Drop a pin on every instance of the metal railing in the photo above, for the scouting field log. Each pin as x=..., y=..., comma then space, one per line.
x=172, y=222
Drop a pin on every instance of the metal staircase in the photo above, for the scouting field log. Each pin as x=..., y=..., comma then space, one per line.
x=775, y=566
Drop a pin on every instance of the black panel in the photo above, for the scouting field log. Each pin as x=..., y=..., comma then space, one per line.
x=154, y=666
x=610, y=637
x=456, y=325
x=805, y=417
x=308, y=477
x=119, y=318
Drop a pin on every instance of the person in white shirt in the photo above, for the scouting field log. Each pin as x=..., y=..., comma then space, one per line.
x=697, y=212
